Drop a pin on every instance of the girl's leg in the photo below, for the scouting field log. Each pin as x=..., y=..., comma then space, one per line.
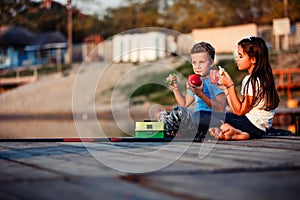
x=242, y=123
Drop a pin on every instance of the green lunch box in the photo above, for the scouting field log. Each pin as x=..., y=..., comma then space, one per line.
x=149, y=129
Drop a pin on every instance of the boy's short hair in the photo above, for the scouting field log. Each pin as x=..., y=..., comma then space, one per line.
x=203, y=47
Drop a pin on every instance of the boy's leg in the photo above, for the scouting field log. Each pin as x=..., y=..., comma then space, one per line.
x=192, y=124
x=181, y=121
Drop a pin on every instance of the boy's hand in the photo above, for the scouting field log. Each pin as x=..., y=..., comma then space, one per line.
x=197, y=90
x=172, y=81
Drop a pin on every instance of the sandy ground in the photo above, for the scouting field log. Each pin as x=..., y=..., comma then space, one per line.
x=45, y=109
x=88, y=87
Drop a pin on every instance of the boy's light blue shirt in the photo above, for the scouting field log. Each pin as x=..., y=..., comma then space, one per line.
x=210, y=90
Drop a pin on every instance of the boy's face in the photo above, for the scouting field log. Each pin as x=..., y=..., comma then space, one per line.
x=201, y=63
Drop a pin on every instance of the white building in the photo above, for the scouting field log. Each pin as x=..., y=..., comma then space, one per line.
x=139, y=47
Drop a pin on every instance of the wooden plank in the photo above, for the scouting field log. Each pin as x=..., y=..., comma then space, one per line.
x=82, y=188
x=228, y=185
x=267, y=168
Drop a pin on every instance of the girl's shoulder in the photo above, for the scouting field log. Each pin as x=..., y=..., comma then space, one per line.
x=246, y=81
x=257, y=80
x=246, y=78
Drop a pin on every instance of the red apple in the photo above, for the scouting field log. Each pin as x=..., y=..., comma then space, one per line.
x=194, y=79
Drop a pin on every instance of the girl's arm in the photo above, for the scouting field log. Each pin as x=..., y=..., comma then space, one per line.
x=238, y=106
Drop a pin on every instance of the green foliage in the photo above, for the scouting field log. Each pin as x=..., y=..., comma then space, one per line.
x=39, y=19
x=147, y=89
x=11, y=9
x=185, y=69
x=160, y=93
x=179, y=15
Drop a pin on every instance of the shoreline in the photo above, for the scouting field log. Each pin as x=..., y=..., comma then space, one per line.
x=105, y=115
x=43, y=116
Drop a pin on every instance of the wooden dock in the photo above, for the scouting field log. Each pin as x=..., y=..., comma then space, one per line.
x=287, y=79
x=15, y=81
x=267, y=168
x=12, y=82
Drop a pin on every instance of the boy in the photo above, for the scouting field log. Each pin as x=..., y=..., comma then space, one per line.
x=207, y=97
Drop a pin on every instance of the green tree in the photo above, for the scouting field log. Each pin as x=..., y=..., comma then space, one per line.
x=30, y=15
x=11, y=9
x=179, y=15
x=135, y=14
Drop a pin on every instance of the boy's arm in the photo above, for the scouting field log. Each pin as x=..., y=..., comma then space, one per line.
x=182, y=100
x=189, y=100
x=172, y=81
x=178, y=96
x=216, y=105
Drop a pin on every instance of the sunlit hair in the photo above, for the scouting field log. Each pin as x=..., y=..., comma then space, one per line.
x=262, y=72
x=203, y=47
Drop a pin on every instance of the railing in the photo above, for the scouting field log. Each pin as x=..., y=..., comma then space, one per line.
x=287, y=79
x=18, y=79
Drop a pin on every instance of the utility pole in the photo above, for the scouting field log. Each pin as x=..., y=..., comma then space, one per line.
x=69, y=26
x=285, y=7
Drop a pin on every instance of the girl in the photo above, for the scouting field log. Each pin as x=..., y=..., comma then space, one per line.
x=252, y=113
x=256, y=107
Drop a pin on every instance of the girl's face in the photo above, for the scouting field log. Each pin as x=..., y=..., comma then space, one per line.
x=243, y=61
x=201, y=63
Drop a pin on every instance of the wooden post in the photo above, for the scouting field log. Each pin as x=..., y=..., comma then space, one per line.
x=297, y=124
x=58, y=60
x=69, y=26
x=285, y=8
x=285, y=44
x=35, y=73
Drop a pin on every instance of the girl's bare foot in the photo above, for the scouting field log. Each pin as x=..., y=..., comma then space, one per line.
x=231, y=133
x=216, y=133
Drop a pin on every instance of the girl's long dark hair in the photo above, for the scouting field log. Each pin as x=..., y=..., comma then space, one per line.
x=262, y=72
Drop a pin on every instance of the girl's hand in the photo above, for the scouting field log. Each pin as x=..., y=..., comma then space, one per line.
x=224, y=80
